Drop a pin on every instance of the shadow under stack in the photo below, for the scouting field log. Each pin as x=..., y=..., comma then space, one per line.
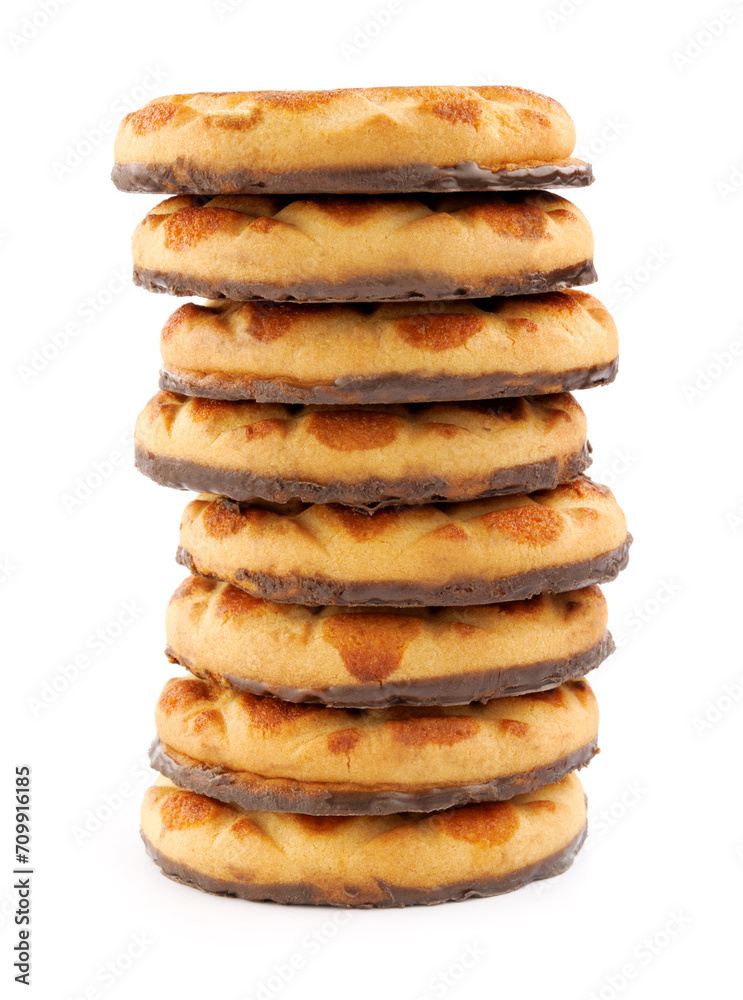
x=394, y=553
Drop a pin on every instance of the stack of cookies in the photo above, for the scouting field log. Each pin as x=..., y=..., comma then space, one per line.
x=394, y=553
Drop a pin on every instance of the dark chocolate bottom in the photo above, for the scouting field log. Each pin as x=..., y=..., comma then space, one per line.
x=183, y=177
x=457, y=689
x=318, y=590
x=306, y=894
x=392, y=388
x=388, y=287
x=183, y=474
x=252, y=791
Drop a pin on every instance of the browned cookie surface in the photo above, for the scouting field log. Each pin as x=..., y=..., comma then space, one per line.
x=363, y=861
x=262, y=753
x=500, y=549
x=358, y=248
x=365, y=658
x=366, y=456
x=368, y=139
x=389, y=352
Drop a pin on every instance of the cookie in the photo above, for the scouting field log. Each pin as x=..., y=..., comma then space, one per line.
x=262, y=753
x=372, y=139
x=364, y=861
x=402, y=352
x=367, y=456
x=478, y=552
x=361, y=658
x=359, y=248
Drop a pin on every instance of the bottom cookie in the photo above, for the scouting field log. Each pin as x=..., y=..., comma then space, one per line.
x=364, y=861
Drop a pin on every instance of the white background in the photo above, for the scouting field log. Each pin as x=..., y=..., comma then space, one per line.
x=667, y=823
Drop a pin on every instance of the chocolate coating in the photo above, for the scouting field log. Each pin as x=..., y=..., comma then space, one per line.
x=367, y=288
x=458, y=689
x=183, y=177
x=302, y=893
x=239, y=485
x=390, y=388
x=319, y=590
x=283, y=795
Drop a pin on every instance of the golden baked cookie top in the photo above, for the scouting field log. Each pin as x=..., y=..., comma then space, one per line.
x=389, y=352
x=397, y=748
x=367, y=139
x=392, y=860
x=375, y=657
x=366, y=455
x=357, y=248
x=480, y=551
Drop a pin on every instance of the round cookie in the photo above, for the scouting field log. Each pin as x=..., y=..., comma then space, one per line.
x=369, y=139
x=362, y=658
x=354, y=248
x=402, y=352
x=364, y=861
x=366, y=456
x=478, y=552
x=262, y=753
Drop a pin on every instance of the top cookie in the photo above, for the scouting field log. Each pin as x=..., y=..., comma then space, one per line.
x=368, y=140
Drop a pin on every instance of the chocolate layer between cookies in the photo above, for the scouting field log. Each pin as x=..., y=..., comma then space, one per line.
x=242, y=485
x=319, y=590
x=457, y=689
x=390, y=388
x=304, y=893
x=252, y=791
x=367, y=288
x=183, y=177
